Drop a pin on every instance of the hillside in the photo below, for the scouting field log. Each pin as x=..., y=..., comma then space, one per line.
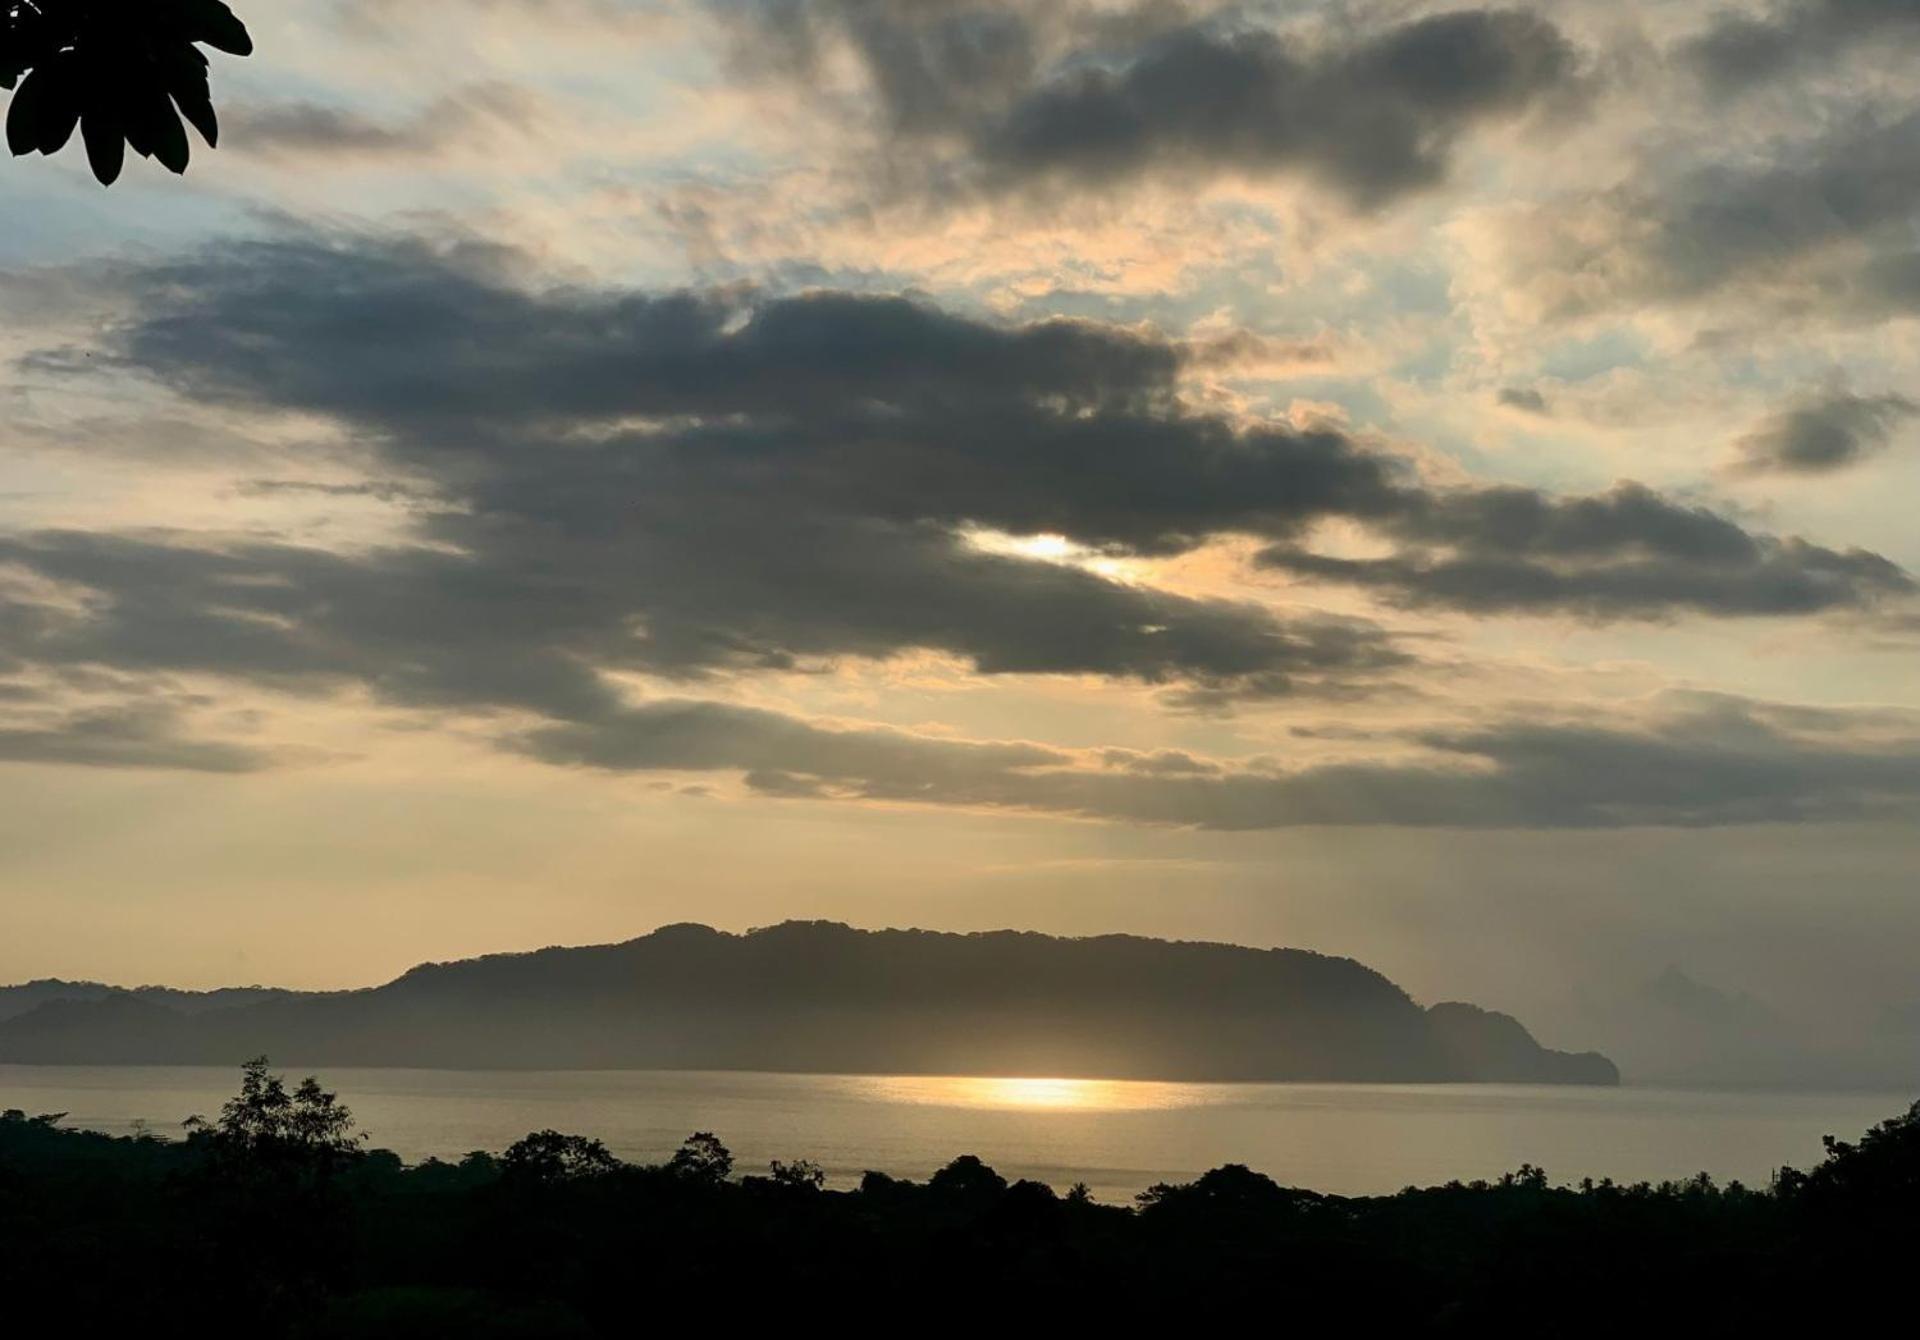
x=821, y=997
x=27, y=996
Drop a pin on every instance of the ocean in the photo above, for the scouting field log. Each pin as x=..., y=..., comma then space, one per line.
x=1118, y=1137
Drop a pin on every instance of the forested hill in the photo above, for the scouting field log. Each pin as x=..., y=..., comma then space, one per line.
x=28, y=996
x=822, y=997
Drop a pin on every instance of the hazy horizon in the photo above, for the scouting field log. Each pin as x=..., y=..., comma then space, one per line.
x=1427, y=483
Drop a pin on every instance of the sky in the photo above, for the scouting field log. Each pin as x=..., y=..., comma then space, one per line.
x=1420, y=483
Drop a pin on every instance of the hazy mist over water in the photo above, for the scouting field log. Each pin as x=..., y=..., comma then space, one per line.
x=1116, y=1136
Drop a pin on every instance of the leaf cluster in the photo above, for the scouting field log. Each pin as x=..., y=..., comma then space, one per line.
x=126, y=73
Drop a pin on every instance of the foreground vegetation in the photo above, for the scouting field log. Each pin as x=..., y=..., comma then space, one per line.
x=273, y=1219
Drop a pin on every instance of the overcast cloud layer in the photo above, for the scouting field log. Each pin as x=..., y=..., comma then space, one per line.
x=690, y=484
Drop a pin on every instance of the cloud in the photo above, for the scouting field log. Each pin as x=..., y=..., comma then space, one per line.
x=1160, y=762
x=684, y=483
x=1083, y=96
x=809, y=430
x=691, y=735
x=1689, y=761
x=597, y=483
x=386, y=491
x=136, y=735
x=1376, y=120
x=1725, y=222
x=1817, y=226
x=1524, y=398
x=1738, y=52
x=312, y=132
x=1622, y=554
x=1244, y=353
x=533, y=621
x=1822, y=433
x=590, y=21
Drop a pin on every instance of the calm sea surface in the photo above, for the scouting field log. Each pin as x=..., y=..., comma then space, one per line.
x=1117, y=1137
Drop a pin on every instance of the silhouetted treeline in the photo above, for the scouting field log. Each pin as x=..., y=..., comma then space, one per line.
x=273, y=1219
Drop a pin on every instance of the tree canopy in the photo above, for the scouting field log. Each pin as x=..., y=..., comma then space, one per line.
x=275, y=1220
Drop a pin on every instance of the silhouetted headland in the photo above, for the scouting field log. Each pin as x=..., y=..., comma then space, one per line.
x=825, y=998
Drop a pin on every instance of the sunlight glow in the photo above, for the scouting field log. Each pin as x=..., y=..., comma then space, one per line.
x=1051, y=548
x=1015, y=1092
x=1048, y=548
x=1037, y=1093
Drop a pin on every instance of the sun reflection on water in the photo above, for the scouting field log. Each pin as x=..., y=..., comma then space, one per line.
x=1035, y=1093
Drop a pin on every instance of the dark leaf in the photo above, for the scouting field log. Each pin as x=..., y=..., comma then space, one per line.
x=211, y=22
x=136, y=127
x=179, y=58
x=23, y=122
x=106, y=148
x=23, y=44
x=151, y=126
x=184, y=75
x=197, y=107
x=166, y=138
x=44, y=109
x=61, y=110
x=126, y=72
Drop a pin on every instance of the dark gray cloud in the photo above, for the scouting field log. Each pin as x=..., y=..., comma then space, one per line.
x=418, y=625
x=414, y=338
x=1702, y=763
x=135, y=735
x=1625, y=553
x=1376, y=120
x=1727, y=222
x=1741, y=51
x=532, y=620
x=1524, y=398
x=1092, y=98
x=826, y=406
x=1824, y=432
x=694, y=484
x=1819, y=226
